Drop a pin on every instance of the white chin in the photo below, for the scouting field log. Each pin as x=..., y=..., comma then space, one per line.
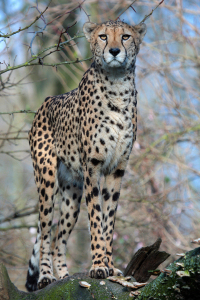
x=114, y=64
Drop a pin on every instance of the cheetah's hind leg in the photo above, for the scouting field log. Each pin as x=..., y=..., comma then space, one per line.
x=71, y=188
x=33, y=270
x=45, y=170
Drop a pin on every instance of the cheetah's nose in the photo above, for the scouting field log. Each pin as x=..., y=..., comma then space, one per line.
x=114, y=51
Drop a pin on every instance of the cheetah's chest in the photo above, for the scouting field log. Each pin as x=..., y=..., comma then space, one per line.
x=117, y=137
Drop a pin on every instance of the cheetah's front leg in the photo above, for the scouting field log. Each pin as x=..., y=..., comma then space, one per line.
x=99, y=267
x=111, y=193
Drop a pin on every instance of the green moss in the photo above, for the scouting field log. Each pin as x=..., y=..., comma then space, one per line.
x=174, y=286
x=164, y=287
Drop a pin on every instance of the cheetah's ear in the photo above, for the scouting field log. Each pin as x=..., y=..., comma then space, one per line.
x=88, y=27
x=141, y=29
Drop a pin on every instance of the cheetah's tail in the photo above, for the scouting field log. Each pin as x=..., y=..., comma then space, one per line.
x=33, y=269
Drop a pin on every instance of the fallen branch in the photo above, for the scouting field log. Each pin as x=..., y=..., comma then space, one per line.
x=145, y=259
x=178, y=281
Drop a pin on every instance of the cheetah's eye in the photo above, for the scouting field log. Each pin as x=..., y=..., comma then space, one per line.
x=103, y=37
x=125, y=37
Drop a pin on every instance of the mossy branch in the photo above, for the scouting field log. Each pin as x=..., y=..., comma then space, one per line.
x=180, y=280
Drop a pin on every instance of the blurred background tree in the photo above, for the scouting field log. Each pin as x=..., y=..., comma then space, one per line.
x=160, y=192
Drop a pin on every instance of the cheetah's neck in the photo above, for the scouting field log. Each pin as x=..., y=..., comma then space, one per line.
x=116, y=87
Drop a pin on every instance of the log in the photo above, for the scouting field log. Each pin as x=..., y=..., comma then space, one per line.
x=145, y=259
x=180, y=280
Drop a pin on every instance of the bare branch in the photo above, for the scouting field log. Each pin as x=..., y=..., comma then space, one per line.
x=29, y=62
x=48, y=65
x=27, y=211
x=167, y=137
x=10, y=153
x=14, y=132
x=18, y=112
x=127, y=9
x=68, y=12
x=81, y=7
x=147, y=16
x=17, y=227
x=28, y=26
x=14, y=138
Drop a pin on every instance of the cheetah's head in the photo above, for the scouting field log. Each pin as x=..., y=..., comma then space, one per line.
x=114, y=44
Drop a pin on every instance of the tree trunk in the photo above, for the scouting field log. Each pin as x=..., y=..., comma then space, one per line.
x=181, y=280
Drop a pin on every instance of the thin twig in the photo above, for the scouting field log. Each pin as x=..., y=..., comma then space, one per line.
x=18, y=112
x=166, y=137
x=20, y=213
x=81, y=7
x=14, y=151
x=13, y=138
x=36, y=33
x=47, y=64
x=147, y=16
x=22, y=29
x=28, y=63
x=14, y=132
x=17, y=227
x=68, y=12
x=126, y=9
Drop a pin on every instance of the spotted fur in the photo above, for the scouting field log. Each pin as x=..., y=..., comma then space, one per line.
x=75, y=139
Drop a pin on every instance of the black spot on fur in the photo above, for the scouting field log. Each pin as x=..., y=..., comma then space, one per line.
x=115, y=196
x=95, y=191
x=95, y=161
x=118, y=173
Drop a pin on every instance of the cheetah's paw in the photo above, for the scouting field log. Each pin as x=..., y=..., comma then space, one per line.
x=115, y=272
x=99, y=272
x=45, y=280
x=64, y=276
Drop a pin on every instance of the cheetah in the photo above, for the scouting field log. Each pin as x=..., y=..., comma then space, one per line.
x=77, y=138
